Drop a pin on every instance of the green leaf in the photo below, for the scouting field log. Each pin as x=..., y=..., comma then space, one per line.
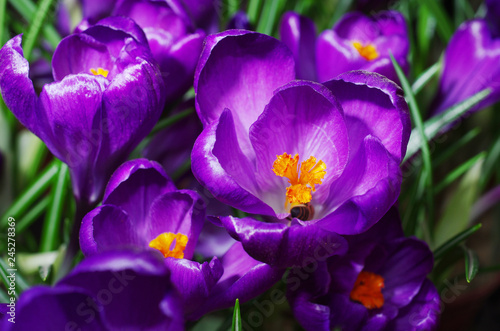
x=31, y=152
x=34, y=191
x=32, y=215
x=456, y=146
x=459, y=171
x=3, y=7
x=237, y=317
x=341, y=8
x=4, y=298
x=457, y=212
x=491, y=163
x=471, y=263
x=35, y=27
x=254, y=10
x=437, y=123
x=28, y=9
x=29, y=263
x=269, y=16
x=455, y=241
x=425, y=77
x=50, y=231
x=445, y=26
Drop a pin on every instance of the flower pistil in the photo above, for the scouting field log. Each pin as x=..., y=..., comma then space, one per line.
x=368, y=290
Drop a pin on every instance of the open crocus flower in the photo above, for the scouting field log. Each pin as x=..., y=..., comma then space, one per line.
x=142, y=208
x=380, y=284
x=121, y=290
x=470, y=65
x=313, y=160
x=172, y=37
x=107, y=96
x=356, y=42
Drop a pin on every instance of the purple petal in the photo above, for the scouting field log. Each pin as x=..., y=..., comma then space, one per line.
x=194, y=280
x=205, y=13
x=304, y=118
x=135, y=185
x=108, y=228
x=220, y=166
x=96, y=9
x=213, y=241
x=133, y=288
x=299, y=34
x=374, y=106
x=240, y=21
x=244, y=278
x=177, y=212
x=469, y=66
x=280, y=245
x=60, y=308
x=239, y=70
x=346, y=314
x=422, y=313
x=16, y=87
x=368, y=187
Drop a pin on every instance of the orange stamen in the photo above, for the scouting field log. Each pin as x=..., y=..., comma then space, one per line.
x=368, y=290
x=369, y=52
x=100, y=71
x=164, y=242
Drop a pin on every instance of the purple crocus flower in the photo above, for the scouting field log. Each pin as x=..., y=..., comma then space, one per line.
x=356, y=42
x=172, y=37
x=312, y=160
x=107, y=96
x=470, y=65
x=120, y=290
x=142, y=208
x=380, y=284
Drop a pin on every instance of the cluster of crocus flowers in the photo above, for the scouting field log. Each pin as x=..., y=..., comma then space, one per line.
x=356, y=42
x=142, y=209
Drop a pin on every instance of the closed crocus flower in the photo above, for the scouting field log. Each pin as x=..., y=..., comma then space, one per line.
x=120, y=290
x=380, y=284
x=470, y=64
x=356, y=42
x=107, y=96
x=174, y=41
x=142, y=208
x=313, y=161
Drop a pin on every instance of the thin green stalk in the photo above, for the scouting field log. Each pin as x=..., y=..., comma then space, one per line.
x=445, y=27
x=424, y=146
x=32, y=215
x=444, y=248
x=3, y=5
x=34, y=191
x=3, y=275
x=425, y=77
x=456, y=146
x=457, y=172
x=36, y=25
x=269, y=16
x=50, y=232
x=254, y=10
x=162, y=124
x=237, y=317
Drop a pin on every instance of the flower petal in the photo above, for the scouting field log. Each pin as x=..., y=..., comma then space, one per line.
x=374, y=106
x=299, y=34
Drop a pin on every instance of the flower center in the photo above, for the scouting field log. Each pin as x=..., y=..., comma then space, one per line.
x=170, y=244
x=369, y=52
x=100, y=71
x=368, y=290
x=302, y=181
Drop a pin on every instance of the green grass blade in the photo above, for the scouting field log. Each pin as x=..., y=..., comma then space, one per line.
x=31, y=193
x=456, y=240
x=50, y=232
x=4, y=298
x=491, y=163
x=341, y=8
x=456, y=146
x=425, y=77
x=459, y=171
x=424, y=146
x=254, y=10
x=3, y=7
x=237, y=317
x=3, y=275
x=471, y=263
x=445, y=26
x=162, y=124
x=269, y=16
x=437, y=123
x=35, y=27
x=32, y=215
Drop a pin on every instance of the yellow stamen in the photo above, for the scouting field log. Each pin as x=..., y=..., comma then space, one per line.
x=100, y=71
x=369, y=52
x=311, y=174
x=368, y=290
x=164, y=241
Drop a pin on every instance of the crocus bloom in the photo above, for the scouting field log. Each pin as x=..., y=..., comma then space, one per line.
x=470, y=65
x=118, y=290
x=142, y=208
x=174, y=41
x=331, y=151
x=380, y=284
x=106, y=97
x=356, y=42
